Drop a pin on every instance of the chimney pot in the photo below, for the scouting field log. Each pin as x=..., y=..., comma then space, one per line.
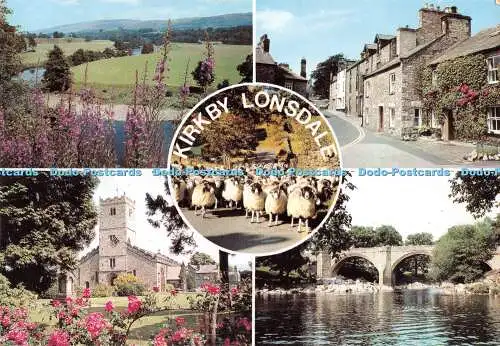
x=303, y=65
x=266, y=42
x=454, y=9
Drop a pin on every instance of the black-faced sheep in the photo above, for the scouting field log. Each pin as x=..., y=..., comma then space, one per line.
x=276, y=202
x=302, y=204
x=256, y=199
x=233, y=191
x=203, y=197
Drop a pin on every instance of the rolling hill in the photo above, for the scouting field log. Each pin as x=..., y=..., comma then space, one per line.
x=221, y=21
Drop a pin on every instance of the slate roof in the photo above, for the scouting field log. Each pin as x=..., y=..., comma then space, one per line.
x=289, y=74
x=383, y=37
x=485, y=40
x=262, y=57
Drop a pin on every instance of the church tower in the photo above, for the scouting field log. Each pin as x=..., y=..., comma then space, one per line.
x=116, y=230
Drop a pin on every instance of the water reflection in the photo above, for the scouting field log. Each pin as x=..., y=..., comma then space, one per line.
x=409, y=318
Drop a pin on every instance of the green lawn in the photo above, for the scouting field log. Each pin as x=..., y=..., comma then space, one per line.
x=120, y=72
x=142, y=330
x=38, y=58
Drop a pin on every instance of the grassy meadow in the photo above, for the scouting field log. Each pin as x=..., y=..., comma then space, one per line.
x=68, y=45
x=120, y=72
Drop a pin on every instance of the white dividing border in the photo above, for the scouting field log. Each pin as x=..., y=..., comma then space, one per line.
x=268, y=85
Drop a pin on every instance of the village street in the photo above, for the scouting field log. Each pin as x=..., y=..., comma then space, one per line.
x=364, y=148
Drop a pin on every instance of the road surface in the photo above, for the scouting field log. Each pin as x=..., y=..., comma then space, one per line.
x=361, y=147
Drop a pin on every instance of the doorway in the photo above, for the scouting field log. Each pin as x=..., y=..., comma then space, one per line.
x=448, y=132
x=380, y=118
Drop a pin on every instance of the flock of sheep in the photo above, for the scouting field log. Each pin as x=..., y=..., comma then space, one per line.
x=296, y=197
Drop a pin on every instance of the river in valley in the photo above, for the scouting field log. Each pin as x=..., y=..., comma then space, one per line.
x=418, y=317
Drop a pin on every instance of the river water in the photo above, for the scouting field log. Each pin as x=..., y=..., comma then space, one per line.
x=396, y=318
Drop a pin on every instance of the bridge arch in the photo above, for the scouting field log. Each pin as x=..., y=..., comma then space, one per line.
x=335, y=268
x=403, y=257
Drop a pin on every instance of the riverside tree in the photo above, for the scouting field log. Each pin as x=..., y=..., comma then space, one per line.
x=422, y=238
x=57, y=76
x=45, y=221
x=459, y=256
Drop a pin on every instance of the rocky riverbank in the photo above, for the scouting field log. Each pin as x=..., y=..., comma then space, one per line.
x=489, y=285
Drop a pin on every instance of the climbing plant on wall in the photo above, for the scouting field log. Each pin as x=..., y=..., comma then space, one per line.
x=460, y=86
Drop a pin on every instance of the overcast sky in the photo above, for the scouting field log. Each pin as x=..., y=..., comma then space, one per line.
x=411, y=205
x=321, y=28
x=148, y=237
x=41, y=14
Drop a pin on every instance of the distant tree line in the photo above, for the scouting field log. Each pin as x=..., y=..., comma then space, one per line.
x=239, y=35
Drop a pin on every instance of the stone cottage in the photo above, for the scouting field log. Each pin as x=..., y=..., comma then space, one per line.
x=269, y=71
x=486, y=43
x=383, y=86
x=117, y=252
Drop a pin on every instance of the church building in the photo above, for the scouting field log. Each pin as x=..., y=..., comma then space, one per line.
x=117, y=251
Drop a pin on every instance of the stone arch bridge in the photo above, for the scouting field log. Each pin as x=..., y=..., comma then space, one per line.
x=384, y=258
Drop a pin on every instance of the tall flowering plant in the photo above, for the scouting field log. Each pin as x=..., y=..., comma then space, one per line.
x=144, y=128
x=72, y=134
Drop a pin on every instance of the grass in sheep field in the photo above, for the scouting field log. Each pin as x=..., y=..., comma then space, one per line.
x=69, y=46
x=142, y=330
x=120, y=72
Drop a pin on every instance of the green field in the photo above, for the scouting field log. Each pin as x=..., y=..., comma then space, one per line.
x=120, y=72
x=38, y=58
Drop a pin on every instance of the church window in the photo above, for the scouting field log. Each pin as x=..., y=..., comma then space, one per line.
x=112, y=262
x=112, y=211
x=114, y=240
x=133, y=272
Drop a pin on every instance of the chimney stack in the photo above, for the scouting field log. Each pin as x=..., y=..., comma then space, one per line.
x=454, y=9
x=303, y=66
x=266, y=42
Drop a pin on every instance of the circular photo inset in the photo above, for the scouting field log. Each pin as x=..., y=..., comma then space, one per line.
x=255, y=168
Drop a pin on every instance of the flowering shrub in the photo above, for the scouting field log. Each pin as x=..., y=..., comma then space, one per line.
x=128, y=284
x=15, y=330
x=176, y=333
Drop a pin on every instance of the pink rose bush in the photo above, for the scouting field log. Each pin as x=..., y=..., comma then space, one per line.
x=15, y=330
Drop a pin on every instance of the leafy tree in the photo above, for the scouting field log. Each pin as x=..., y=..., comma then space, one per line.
x=388, y=235
x=147, y=48
x=57, y=34
x=10, y=47
x=45, y=221
x=423, y=238
x=32, y=42
x=286, y=262
x=57, y=76
x=362, y=236
x=201, y=258
x=228, y=137
x=78, y=57
x=246, y=69
x=479, y=193
x=460, y=255
x=321, y=75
